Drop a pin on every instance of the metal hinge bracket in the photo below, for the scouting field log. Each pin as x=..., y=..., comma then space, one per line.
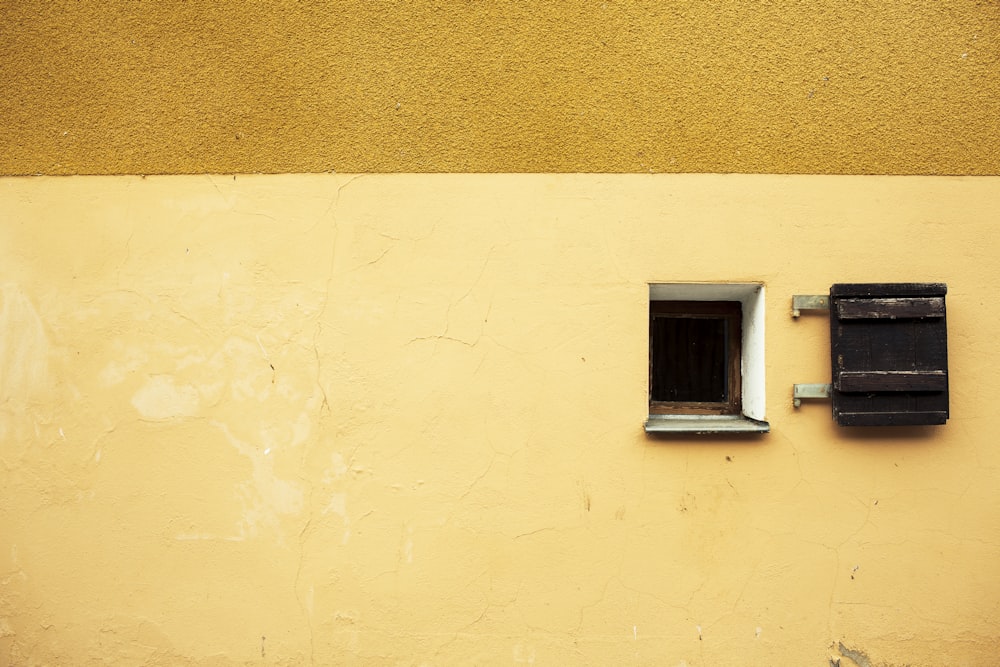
x=800, y=391
x=802, y=302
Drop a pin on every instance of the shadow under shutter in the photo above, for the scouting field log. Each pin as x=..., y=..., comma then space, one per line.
x=889, y=346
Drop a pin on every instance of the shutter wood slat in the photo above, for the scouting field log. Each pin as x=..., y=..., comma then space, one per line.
x=892, y=308
x=893, y=381
x=884, y=290
x=927, y=418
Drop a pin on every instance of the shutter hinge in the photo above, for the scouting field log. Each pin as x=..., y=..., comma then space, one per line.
x=802, y=302
x=800, y=391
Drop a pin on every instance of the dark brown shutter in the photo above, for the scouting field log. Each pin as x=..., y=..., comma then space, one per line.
x=889, y=344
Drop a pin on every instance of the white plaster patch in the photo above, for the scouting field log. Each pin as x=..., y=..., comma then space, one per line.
x=190, y=360
x=24, y=347
x=338, y=506
x=160, y=398
x=211, y=391
x=187, y=537
x=301, y=429
x=266, y=497
x=251, y=379
x=279, y=433
x=408, y=546
x=337, y=469
x=524, y=655
x=118, y=369
x=284, y=496
x=243, y=389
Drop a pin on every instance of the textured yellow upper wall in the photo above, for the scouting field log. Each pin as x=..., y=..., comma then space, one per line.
x=833, y=86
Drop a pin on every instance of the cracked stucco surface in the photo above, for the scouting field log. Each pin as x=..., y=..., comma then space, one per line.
x=386, y=420
x=828, y=86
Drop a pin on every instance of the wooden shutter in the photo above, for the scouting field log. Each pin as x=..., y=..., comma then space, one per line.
x=889, y=345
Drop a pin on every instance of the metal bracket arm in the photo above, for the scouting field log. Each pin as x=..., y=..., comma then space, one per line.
x=800, y=391
x=802, y=302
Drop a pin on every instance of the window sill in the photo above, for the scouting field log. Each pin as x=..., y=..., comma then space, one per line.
x=705, y=424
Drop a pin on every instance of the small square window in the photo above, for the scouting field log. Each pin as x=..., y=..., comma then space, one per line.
x=706, y=358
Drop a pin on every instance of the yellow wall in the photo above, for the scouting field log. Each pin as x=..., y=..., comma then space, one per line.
x=397, y=420
x=826, y=86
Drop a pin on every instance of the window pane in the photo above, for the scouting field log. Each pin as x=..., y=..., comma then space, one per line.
x=688, y=359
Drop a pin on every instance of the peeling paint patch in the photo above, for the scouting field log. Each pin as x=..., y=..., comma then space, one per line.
x=160, y=398
x=859, y=657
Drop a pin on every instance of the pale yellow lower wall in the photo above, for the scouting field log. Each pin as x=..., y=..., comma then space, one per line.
x=397, y=420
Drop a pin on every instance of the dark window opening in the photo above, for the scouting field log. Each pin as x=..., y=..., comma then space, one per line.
x=694, y=357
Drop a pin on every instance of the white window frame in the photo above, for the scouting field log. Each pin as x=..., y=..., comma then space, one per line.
x=752, y=419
